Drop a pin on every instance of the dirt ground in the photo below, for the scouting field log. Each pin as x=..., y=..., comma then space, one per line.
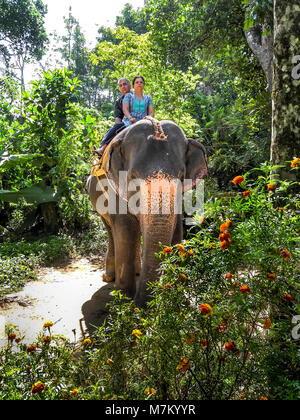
x=63, y=295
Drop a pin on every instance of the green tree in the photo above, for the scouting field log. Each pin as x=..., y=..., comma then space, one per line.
x=22, y=33
x=135, y=20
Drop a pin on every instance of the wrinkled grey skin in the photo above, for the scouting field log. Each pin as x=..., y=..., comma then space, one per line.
x=138, y=152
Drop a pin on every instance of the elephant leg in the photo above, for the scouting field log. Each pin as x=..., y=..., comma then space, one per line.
x=126, y=232
x=110, y=256
x=178, y=232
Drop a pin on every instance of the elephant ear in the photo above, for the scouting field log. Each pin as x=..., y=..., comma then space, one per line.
x=195, y=163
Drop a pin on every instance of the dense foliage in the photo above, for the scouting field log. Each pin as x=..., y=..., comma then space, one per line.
x=218, y=326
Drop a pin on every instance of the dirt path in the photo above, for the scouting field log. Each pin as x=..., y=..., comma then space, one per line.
x=57, y=296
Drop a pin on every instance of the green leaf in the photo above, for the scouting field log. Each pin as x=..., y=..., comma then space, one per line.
x=36, y=194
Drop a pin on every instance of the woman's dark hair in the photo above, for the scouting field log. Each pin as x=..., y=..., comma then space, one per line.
x=138, y=77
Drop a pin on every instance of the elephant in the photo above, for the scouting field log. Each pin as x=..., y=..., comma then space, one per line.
x=144, y=158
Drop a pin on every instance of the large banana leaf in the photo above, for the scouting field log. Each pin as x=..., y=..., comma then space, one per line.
x=36, y=194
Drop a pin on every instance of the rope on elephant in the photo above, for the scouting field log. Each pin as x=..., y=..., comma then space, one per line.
x=158, y=130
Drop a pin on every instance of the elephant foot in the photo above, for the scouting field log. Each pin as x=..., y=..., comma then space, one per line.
x=107, y=279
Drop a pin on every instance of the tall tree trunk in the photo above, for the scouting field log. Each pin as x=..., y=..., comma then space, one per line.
x=285, y=142
x=262, y=47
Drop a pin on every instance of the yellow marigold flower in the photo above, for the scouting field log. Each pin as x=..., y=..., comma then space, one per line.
x=136, y=309
x=136, y=333
x=87, y=341
x=46, y=339
x=180, y=248
x=74, y=392
x=48, y=324
x=295, y=163
x=183, y=364
x=37, y=387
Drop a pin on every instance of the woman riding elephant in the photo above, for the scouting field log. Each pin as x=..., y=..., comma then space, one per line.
x=137, y=105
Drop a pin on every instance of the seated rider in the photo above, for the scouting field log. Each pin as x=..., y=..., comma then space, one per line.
x=136, y=105
x=124, y=87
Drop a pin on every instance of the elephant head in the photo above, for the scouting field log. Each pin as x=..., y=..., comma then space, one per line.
x=175, y=164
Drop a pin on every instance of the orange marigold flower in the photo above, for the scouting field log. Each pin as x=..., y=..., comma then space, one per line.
x=228, y=276
x=190, y=338
x=204, y=343
x=246, y=193
x=31, y=348
x=46, y=339
x=245, y=289
x=238, y=179
x=136, y=309
x=11, y=336
x=150, y=391
x=263, y=398
x=183, y=364
x=222, y=326
x=295, y=163
x=271, y=276
x=287, y=298
x=205, y=308
x=37, y=387
x=167, y=250
x=271, y=187
x=109, y=362
x=285, y=253
x=182, y=277
x=224, y=245
x=267, y=323
x=190, y=252
x=230, y=346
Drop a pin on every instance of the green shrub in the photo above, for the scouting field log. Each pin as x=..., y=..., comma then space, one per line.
x=218, y=326
x=16, y=271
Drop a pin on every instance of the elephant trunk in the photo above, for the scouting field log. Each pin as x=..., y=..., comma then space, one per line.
x=157, y=225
